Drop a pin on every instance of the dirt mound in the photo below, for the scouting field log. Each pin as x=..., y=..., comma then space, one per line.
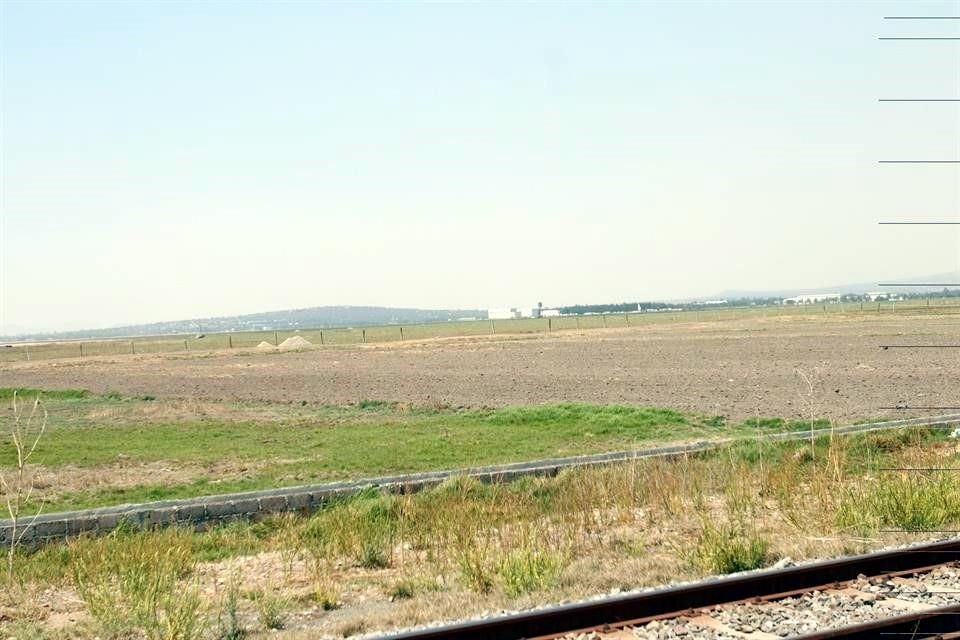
x=296, y=342
x=264, y=345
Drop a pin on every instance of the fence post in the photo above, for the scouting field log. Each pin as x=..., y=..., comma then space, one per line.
x=81, y=349
x=493, y=329
x=401, y=334
x=549, y=324
x=578, y=323
x=185, y=347
x=363, y=335
x=133, y=349
x=27, y=347
x=603, y=317
x=321, y=337
x=276, y=339
x=626, y=318
x=230, y=341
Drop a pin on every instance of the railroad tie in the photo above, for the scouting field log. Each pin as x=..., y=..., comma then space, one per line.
x=906, y=605
x=909, y=582
x=713, y=624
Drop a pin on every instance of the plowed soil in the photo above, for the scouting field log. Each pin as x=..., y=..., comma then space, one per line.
x=831, y=366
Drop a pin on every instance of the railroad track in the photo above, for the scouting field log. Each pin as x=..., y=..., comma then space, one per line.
x=913, y=592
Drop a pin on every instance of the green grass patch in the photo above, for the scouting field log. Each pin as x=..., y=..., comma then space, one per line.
x=375, y=405
x=865, y=450
x=22, y=393
x=263, y=446
x=288, y=445
x=779, y=424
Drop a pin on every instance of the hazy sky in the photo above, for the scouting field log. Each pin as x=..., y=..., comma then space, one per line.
x=165, y=160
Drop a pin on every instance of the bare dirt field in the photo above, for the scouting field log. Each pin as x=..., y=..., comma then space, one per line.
x=739, y=368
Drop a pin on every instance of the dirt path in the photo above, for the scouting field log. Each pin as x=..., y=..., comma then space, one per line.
x=738, y=368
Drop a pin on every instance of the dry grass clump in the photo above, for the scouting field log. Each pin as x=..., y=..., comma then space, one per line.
x=136, y=583
x=271, y=610
x=528, y=570
x=904, y=500
x=728, y=548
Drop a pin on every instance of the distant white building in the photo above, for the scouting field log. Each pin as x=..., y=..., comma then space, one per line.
x=504, y=314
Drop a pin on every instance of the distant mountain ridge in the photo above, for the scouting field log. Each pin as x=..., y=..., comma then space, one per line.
x=949, y=277
x=348, y=316
x=286, y=320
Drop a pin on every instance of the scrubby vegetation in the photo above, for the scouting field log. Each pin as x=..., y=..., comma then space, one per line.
x=467, y=546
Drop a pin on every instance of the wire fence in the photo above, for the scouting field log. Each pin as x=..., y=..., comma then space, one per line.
x=187, y=344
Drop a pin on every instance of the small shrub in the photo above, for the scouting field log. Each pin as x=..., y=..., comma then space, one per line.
x=325, y=595
x=402, y=590
x=374, y=405
x=374, y=556
x=230, y=626
x=728, y=549
x=715, y=422
x=476, y=569
x=270, y=608
x=529, y=570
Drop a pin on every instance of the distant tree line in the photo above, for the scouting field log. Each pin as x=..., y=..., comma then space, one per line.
x=287, y=320
x=619, y=307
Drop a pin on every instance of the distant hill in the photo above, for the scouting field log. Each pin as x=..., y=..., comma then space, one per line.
x=857, y=288
x=346, y=316
x=311, y=318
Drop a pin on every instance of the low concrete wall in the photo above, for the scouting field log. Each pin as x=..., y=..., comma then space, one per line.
x=208, y=511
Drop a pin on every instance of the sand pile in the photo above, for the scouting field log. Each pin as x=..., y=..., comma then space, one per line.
x=296, y=342
x=264, y=345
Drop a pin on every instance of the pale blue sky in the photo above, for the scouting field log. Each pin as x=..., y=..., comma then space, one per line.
x=165, y=160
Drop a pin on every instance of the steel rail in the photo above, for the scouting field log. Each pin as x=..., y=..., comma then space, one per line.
x=676, y=601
